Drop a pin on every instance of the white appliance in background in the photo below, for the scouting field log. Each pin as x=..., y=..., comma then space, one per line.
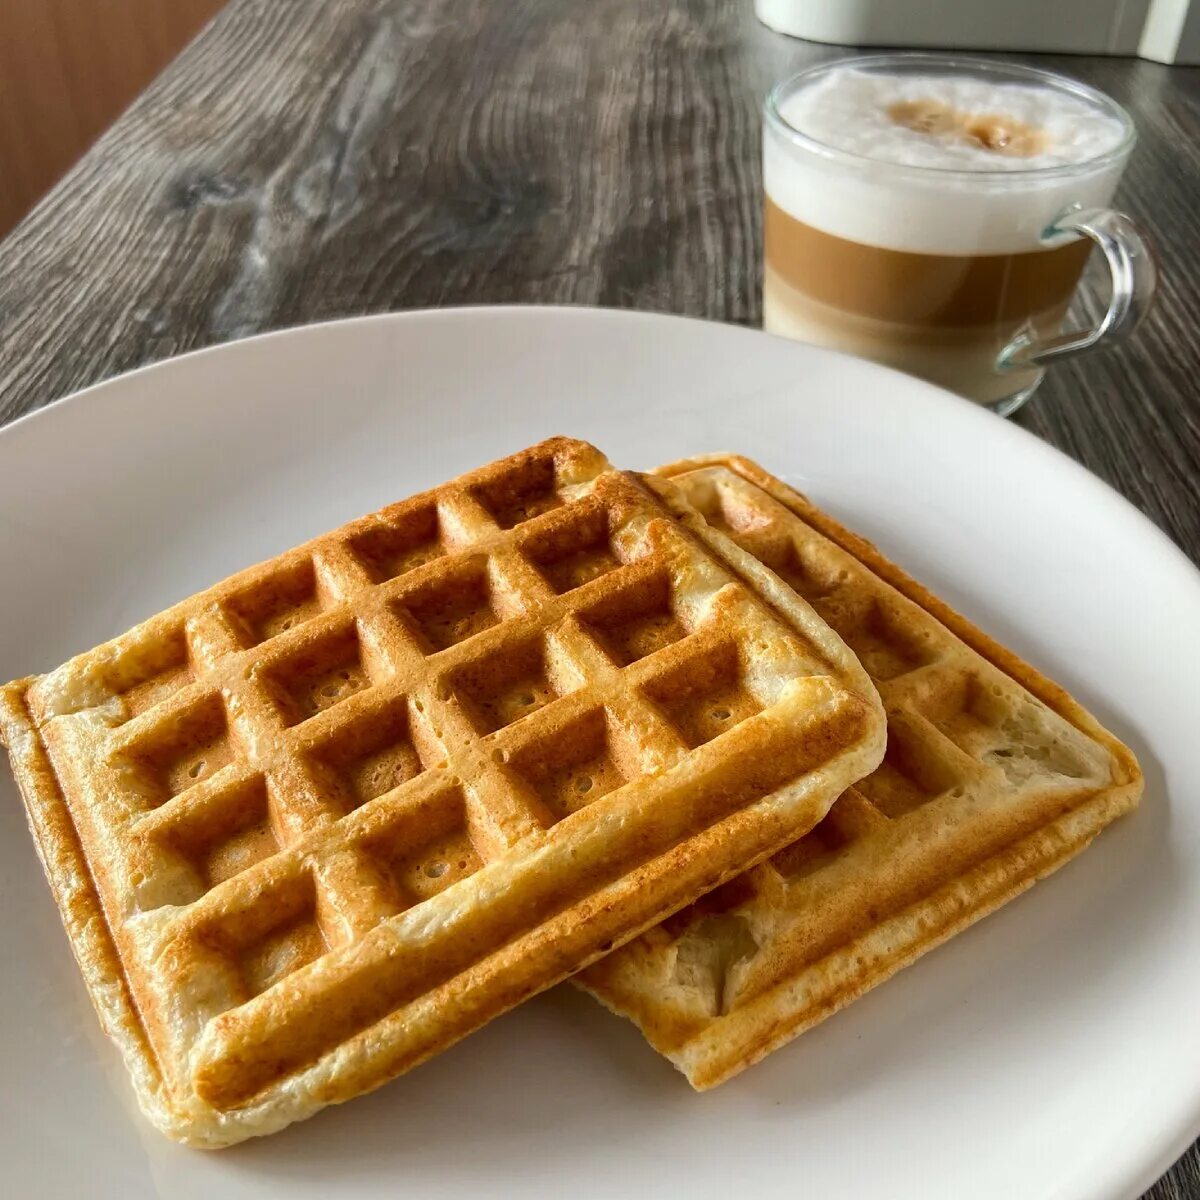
x=1164, y=30
x=1172, y=32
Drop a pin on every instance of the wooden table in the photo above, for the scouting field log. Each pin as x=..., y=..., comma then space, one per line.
x=308, y=159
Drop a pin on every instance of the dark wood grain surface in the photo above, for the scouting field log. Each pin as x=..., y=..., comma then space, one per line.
x=308, y=159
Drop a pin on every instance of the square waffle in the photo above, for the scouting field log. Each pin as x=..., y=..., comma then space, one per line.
x=309, y=827
x=993, y=777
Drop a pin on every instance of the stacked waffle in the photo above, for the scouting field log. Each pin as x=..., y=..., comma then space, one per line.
x=680, y=736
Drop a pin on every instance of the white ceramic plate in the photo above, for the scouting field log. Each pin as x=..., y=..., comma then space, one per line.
x=1052, y=1051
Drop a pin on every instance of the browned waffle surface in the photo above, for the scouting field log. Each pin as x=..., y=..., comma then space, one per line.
x=993, y=777
x=311, y=826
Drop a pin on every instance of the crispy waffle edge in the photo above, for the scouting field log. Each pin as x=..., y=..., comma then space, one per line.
x=783, y=1011
x=82, y=912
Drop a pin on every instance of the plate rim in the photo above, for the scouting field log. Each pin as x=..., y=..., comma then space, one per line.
x=1176, y=1136
x=589, y=312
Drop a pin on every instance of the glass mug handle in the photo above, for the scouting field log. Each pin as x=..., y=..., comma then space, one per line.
x=1134, y=275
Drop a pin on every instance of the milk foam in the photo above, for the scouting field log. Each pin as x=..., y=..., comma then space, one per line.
x=875, y=200
x=848, y=110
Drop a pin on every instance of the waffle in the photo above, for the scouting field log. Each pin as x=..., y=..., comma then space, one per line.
x=309, y=827
x=993, y=777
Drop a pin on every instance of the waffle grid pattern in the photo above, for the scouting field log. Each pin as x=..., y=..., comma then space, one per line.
x=973, y=759
x=335, y=739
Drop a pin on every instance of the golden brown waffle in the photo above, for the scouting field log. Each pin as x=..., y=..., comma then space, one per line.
x=993, y=778
x=311, y=826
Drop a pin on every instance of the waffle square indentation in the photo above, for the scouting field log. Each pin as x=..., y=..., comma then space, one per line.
x=374, y=754
x=912, y=773
x=520, y=493
x=704, y=695
x=181, y=751
x=886, y=647
x=582, y=761
x=426, y=851
x=570, y=554
x=226, y=835
x=809, y=570
x=147, y=679
x=282, y=601
x=636, y=621
x=511, y=683
x=999, y=730
x=817, y=846
x=401, y=542
x=278, y=934
x=457, y=606
x=318, y=675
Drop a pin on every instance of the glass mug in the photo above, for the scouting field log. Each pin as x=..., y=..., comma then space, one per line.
x=961, y=275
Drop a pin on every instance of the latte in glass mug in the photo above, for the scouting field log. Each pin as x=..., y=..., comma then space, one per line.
x=936, y=215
